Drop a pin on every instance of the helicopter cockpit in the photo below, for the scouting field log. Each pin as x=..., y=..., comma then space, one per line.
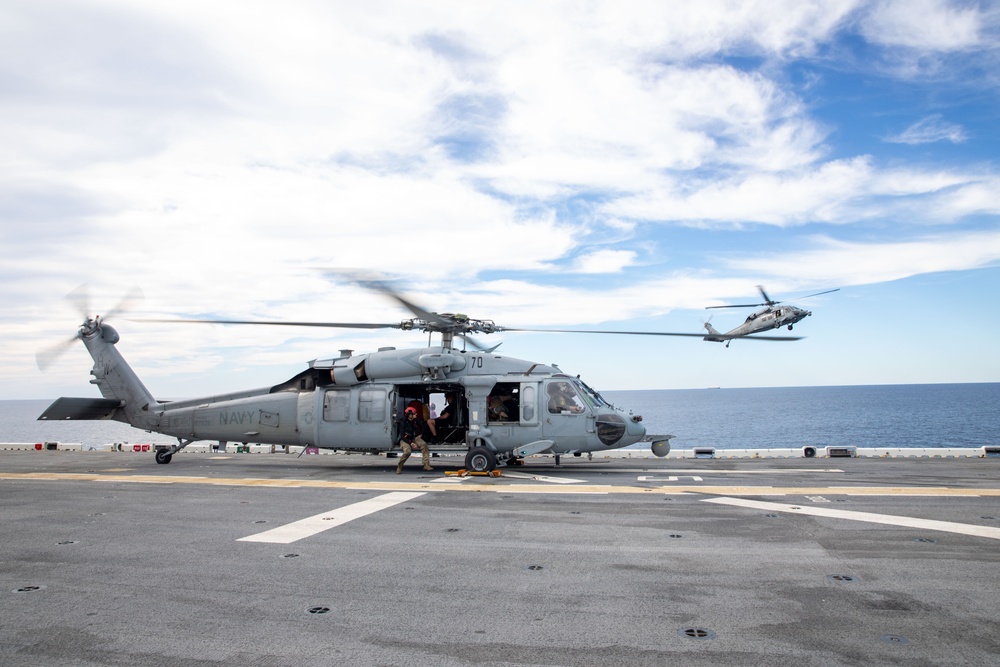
x=564, y=398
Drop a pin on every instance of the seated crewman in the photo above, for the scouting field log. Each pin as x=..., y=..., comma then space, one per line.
x=411, y=433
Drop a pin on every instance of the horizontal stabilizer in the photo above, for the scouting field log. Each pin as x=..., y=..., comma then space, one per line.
x=80, y=409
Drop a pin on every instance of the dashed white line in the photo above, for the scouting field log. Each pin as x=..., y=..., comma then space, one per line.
x=751, y=471
x=870, y=517
x=310, y=526
x=542, y=478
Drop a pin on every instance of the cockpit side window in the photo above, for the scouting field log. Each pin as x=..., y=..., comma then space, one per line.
x=563, y=398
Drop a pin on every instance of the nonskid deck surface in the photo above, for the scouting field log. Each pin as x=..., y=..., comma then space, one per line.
x=237, y=559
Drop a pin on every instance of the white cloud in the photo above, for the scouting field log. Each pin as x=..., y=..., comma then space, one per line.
x=604, y=261
x=929, y=130
x=837, y=192
x=932, y=25
x=852, y=263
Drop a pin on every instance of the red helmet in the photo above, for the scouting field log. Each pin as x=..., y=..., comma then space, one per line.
x=410, y=411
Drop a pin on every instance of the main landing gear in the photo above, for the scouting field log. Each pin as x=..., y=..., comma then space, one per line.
x=484, y=459
x=480, y=459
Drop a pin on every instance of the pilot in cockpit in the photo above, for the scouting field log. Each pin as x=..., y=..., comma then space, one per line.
x=563, y=399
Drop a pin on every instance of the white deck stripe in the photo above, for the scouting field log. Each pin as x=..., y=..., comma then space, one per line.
x=542, y=478
x=756, y=471
x=317, y=524
x=888, y=519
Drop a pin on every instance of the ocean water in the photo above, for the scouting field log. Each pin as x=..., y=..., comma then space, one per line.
x=18, y=423
x=930, y=415
x=916, y=415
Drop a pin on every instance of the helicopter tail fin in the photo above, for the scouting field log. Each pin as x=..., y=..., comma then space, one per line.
x=714, y=335
x=125, y=399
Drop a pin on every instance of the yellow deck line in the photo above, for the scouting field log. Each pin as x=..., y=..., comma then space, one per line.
x=491, y=485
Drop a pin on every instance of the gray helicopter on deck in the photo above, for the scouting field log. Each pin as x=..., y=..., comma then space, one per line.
x=773, y=316
x=506, y=408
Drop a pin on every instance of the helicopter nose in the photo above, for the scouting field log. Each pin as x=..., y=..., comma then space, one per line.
x=630, y=430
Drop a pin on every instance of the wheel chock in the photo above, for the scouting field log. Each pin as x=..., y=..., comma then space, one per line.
x=464, y=473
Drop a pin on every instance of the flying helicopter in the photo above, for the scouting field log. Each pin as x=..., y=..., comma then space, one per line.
x=353, y=402
x=773, y=316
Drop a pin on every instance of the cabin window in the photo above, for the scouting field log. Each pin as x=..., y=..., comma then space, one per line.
x=503, y=402
x=337, y=405
x=372, y=406
x=528, y=398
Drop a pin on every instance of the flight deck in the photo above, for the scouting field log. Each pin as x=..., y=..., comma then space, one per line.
x=226, y=558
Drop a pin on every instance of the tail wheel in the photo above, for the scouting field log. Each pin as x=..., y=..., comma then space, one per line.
x=480, y=459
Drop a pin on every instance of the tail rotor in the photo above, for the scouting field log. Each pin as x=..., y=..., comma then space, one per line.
x=80, y=299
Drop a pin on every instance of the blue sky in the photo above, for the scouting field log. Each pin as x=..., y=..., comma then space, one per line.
x=604, y=165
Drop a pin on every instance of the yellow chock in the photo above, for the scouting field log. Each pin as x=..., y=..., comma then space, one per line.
x=463, y=473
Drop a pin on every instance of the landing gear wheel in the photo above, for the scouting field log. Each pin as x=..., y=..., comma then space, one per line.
x=163, y=456
x=480, y=459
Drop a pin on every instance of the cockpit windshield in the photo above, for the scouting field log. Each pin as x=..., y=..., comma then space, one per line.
x=590, y=395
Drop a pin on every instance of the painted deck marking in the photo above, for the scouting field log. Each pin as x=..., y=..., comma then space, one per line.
x=310, y=526
x=542, y=478
x=751, y=471
x=396, y=484
x=870, y=517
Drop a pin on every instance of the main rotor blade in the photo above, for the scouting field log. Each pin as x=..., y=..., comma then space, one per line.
x=339, y=325
x=657, y=333
x=818, y=293
x=379, y=285
x=738, y=305
x=756, y=337
x=476, y=344
x=591, y=331
x=383, y=287
x=372, y=325
x=768, y=300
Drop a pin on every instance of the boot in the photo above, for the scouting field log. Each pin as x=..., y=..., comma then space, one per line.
x=399, y=468
x=427, y=466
